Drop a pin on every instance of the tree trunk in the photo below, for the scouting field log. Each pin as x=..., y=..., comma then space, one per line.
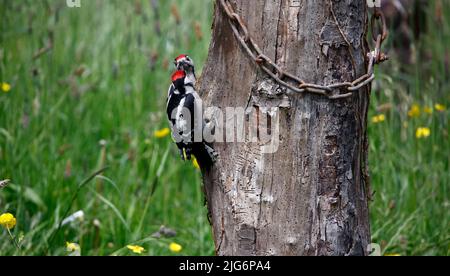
x=309, y=197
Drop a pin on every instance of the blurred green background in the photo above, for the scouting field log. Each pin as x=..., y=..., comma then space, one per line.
x=84, y=89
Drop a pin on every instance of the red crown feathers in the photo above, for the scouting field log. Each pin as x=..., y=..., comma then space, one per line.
x=178, y=75
x=180, y=57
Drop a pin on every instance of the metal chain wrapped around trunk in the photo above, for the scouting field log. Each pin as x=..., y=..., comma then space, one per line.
x=296, y=84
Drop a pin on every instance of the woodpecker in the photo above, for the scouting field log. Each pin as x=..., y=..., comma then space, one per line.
x=183, y=105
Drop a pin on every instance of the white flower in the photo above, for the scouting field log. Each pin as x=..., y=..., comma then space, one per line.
x=4, y=183
x=75, y=216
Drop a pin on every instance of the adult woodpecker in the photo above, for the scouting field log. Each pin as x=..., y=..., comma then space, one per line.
x=183, y=108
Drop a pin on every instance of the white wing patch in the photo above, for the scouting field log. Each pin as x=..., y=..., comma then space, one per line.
x=180, y=121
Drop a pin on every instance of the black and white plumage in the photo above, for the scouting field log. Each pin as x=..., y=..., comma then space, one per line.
x=183, y=104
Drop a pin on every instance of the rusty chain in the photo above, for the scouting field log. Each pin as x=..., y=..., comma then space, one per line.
x=296, y=84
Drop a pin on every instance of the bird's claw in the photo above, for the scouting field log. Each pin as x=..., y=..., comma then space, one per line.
x=212, y=153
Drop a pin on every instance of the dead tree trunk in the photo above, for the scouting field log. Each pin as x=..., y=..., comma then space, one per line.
x=310, y=197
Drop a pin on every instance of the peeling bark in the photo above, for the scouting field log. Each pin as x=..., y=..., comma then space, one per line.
x=311, y=196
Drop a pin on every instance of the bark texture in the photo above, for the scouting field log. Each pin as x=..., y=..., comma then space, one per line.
x=311, y=196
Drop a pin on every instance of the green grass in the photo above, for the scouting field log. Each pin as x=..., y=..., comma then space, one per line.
x=95, y=99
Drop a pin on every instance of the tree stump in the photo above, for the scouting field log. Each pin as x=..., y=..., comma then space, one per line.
x=310, y=196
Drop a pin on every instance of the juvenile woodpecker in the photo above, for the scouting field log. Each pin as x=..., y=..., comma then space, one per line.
x=183, y=109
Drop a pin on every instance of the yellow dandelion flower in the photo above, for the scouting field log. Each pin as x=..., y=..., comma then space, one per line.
x=162, y=133
x=72, y=247
x=6, y=87
x=428, y=110
x=175, y=247
x=439, y=107
x=8, y=221
x=195, y=163
x=423, y=132
x=378, y=119
x=136, y=249
x=414, y=111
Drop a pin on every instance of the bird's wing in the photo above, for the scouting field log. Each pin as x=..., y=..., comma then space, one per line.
x=184, y=123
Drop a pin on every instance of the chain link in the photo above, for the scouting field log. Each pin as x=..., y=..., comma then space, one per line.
x=296, y=84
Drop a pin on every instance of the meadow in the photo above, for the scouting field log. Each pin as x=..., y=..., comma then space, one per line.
x=83, y=128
